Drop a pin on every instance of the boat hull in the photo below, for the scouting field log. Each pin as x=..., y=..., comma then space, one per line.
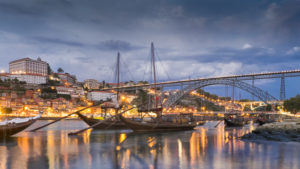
x=230, y=123
x=105, y=125
x=14, y=128
x=156, y=127
x=262, y=122
x=200, y=123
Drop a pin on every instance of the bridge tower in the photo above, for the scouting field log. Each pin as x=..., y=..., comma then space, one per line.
x=282, y=87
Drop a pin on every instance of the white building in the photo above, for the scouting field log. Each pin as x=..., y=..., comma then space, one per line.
x=28, y=66
x=74, y=92
x=29, y=70
x=101, y=95
x=67, y=78
x=29, y=78
x=65, y=90
x=91, y=84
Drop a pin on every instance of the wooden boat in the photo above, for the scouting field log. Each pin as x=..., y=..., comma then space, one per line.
x=233, y=122
x=14, y=126
x=158, y=126
x=112, y=124
x=267, y=118
x=181, y=118
x=200, y=123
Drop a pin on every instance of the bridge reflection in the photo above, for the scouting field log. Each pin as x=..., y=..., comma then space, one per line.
x=205, y=147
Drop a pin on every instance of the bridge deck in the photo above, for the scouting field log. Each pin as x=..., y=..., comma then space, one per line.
x=266, y=75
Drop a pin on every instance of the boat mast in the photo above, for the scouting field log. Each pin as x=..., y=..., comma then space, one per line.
x=118, y=77
x=158, y=112
x=154, y=72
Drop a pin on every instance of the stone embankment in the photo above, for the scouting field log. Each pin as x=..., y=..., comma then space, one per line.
x=288, y=130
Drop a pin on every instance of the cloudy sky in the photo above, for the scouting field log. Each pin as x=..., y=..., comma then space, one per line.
x=192, y=38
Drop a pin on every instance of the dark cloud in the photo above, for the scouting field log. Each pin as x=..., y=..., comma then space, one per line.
x=117, y=45
x=212, y=32
x=109, y=45
x=17, y=9
x=58, y=41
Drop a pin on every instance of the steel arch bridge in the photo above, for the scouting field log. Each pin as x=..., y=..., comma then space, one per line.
x=259, y=93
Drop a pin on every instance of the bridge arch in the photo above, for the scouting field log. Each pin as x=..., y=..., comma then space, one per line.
x=259, y=93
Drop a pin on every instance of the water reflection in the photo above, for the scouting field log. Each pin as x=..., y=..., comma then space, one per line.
x=205, y=147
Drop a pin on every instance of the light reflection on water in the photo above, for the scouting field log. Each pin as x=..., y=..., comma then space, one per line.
x=205, y=147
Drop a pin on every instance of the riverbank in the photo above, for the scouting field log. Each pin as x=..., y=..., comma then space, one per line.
x=288, y=130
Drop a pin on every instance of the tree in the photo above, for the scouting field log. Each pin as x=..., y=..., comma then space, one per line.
x=142, y=99
x=60, y=70
x=244, y=100
x=55, y=75
x=48, y=93
x=293, y=104
x=65, y=96
x=269, y=107
x=103, y=84
x=15, y=80
x=143, y=82
x=49, y=69
x=53, y=83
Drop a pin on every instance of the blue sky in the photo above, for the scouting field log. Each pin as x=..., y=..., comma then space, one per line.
x=192, y=38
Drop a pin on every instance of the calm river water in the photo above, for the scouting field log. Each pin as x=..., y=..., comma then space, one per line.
x=205, y=147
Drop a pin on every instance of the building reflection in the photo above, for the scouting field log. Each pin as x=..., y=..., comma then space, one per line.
x=205, y=147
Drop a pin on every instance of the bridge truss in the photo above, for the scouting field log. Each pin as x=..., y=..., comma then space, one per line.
x=234, y=80
x=246, y=77
x=262, y=95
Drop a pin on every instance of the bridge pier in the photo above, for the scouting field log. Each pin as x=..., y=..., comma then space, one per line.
x=233, y=91
x=252, y=86
x=226, y=92
x=282, y=87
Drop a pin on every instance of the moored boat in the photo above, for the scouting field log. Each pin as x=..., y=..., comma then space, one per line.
x=14, y=126
x=268, y=118
x=112, y=124
x=233, y=122
x=158, y=126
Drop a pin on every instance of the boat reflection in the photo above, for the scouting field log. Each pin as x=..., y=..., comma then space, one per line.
x=205, y=147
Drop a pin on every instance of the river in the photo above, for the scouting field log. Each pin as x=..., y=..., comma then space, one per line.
x=205, y=147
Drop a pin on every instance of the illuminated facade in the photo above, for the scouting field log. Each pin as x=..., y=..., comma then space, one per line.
x=28, y=66
x=91, y=84
x=101, y=95
x=67, y=78
x=29, y=78
x=74, y=92
x=29, y=70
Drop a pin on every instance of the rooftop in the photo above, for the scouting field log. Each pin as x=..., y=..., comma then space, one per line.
x=27, y=59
